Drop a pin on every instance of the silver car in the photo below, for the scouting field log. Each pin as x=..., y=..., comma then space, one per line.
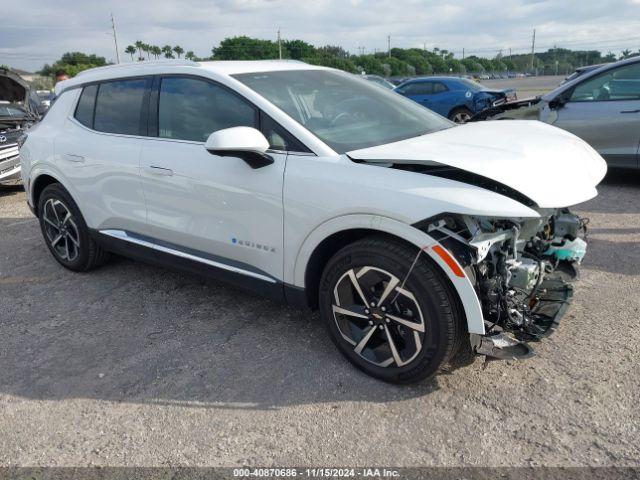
x=602, y=107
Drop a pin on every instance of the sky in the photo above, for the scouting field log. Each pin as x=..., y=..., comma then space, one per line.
x=34, y=32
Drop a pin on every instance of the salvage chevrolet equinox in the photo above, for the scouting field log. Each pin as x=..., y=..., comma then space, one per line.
x=413, y=236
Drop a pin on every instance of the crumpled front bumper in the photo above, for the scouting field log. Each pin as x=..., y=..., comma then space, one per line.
x=9, y=164
x=554, y=300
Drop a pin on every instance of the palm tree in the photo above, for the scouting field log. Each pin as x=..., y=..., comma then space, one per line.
x=156, y=51
x=179, y=50
x=168, y=51
x=131, y=49
x=146, y=48
x=190, y=55
x=139, y=46
x=626, y=53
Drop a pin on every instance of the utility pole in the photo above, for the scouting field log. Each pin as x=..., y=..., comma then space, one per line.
x=389, y=45
x=533, y=46
x=463, y=53
x=115, y=38
x=279, y=45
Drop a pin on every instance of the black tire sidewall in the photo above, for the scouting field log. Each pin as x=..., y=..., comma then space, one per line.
x=425, y=283
x=56, y=191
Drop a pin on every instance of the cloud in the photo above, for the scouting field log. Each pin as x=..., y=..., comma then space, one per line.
x=52, y=28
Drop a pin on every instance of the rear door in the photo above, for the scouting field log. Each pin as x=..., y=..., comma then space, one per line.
x=210, y=209
x=98, y=150
x=605, y=112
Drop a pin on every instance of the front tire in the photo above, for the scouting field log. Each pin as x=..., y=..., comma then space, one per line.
x=394, y=327
x=65, y=231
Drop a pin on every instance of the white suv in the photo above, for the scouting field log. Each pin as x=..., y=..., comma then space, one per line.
x=413, y=236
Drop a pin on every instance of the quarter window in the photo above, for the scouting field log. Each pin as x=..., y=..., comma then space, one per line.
x=278, y=137
x=192, y=109
x=84, y=110
x=119, y=107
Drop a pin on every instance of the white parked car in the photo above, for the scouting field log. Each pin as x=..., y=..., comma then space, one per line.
x=413, y=236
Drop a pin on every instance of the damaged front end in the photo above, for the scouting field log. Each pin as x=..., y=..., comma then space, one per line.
x=521, y=270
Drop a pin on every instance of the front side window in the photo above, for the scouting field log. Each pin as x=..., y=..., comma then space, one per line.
x=192, y=109
x=618, y=84
x=84, y=110
x=343, y=111
x=119, y=106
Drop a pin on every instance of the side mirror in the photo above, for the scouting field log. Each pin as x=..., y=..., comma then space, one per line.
x=560, y=100
x=243, y=142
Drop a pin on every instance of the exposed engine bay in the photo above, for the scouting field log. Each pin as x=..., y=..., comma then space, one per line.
x=521, y=270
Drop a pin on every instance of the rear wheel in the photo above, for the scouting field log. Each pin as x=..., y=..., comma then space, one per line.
x=460, y=115
x=395, y=327
x=65, y=231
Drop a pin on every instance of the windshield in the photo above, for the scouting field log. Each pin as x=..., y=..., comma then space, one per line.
x=12, y=111
x=346, y=113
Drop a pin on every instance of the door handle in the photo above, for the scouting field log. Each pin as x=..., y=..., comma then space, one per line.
x=72, y=157
x=631, y=111
x=153, y=170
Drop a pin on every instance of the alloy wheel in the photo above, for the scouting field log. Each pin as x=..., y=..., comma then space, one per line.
x=61, y=230
x=461, y=117
x=378, y=316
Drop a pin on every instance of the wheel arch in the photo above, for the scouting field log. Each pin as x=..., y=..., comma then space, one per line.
x=41, y=182
x=462, y=106
x=333, y=235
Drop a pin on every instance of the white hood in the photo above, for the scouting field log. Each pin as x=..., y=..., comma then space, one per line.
x=552, y=167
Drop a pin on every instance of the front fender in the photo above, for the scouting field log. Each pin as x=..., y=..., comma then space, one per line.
x=462, y=285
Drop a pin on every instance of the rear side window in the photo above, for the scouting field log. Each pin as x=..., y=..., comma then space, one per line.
x=421, y=88
x=439, y=87
x=119, y=107
x=84, y=110
x=192, y=109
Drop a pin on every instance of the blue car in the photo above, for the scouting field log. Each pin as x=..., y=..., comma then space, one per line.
x=458, y=99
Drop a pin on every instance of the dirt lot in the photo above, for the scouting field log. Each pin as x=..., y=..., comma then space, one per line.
x=135, y=365
x=527, y=87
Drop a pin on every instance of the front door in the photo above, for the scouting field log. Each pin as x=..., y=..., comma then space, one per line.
x=214, y=210
x=605, y=112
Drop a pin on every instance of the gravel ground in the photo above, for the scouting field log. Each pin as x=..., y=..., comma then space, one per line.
x=135, y=365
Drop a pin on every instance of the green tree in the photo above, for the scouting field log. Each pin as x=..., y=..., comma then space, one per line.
x=246, y=48
x=73, y=63
x=299, y=49
x=179, y=50
x=139, y=45
x=190, y=55
x=334, y=62
x=131, y=49
x=167, y=50
x=155, y=51
x=368, y=64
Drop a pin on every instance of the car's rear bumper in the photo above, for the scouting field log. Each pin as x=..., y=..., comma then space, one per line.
x=10, y=164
